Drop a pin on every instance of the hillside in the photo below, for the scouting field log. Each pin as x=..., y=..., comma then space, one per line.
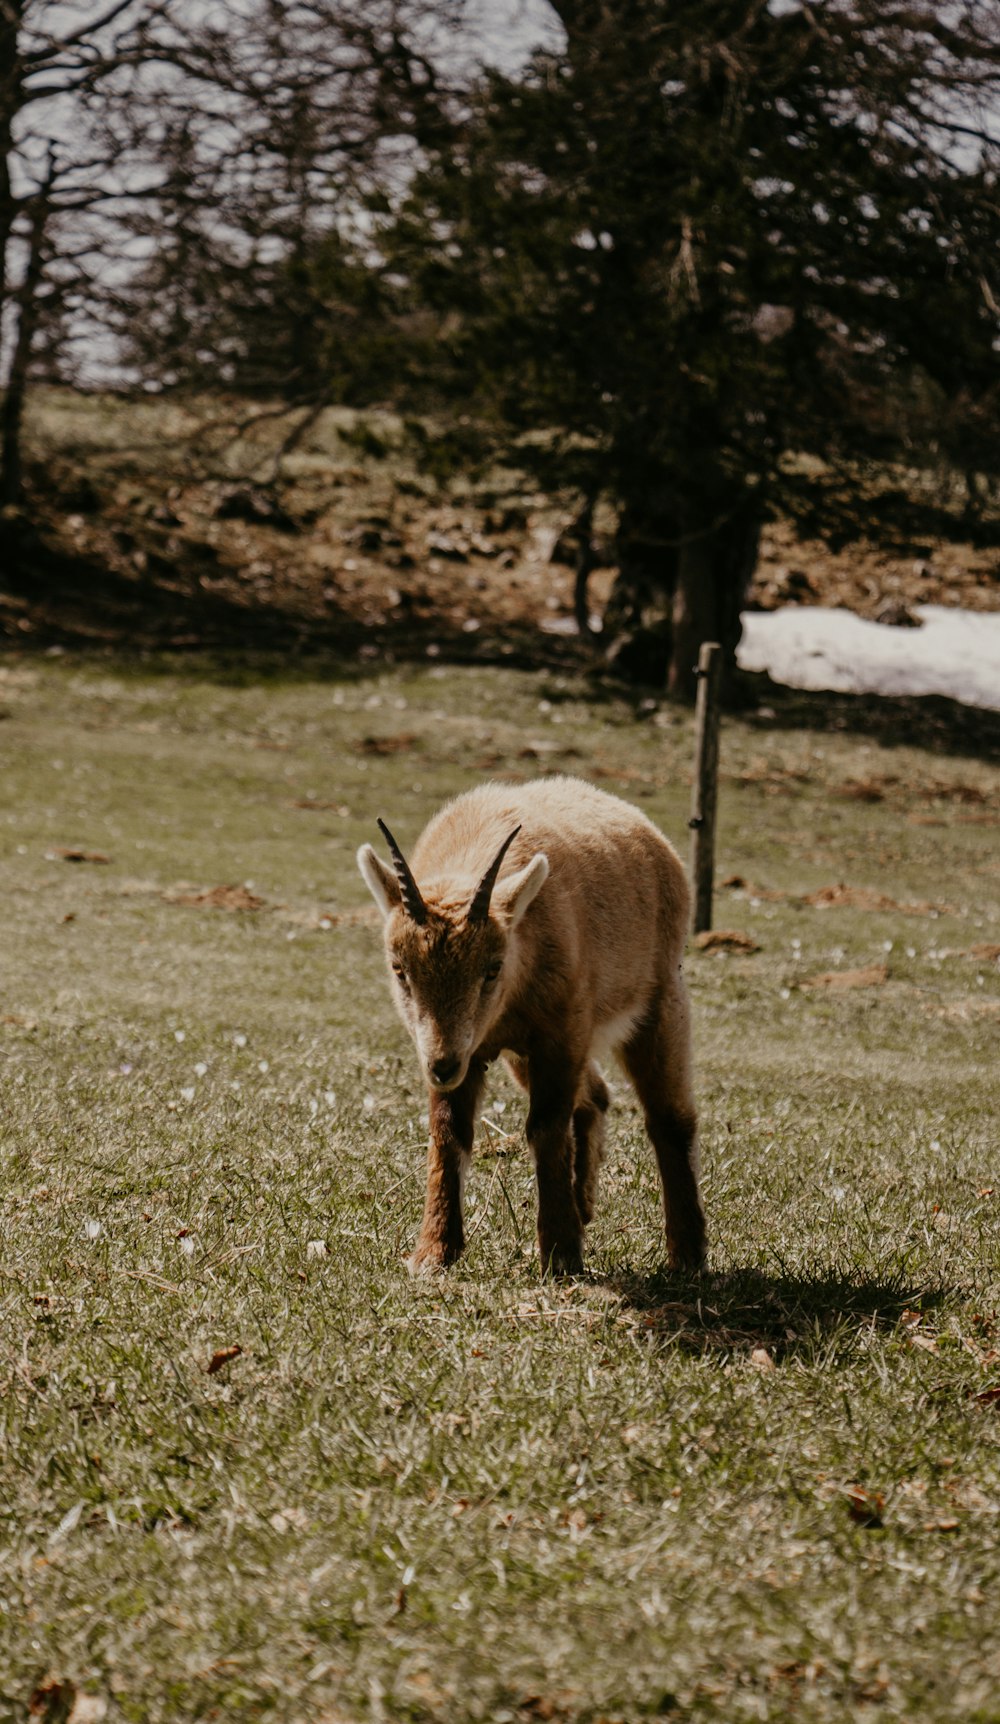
x=155, y=525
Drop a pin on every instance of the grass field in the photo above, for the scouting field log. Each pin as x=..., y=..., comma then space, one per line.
x=771, y=1493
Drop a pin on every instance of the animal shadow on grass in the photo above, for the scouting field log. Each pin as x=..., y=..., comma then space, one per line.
x=745, y=1308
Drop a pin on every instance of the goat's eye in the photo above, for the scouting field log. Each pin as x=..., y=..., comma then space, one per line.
x=491, y=975
x=399, y=973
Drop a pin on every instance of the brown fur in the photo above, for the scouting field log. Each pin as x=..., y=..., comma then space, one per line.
x=591, y=960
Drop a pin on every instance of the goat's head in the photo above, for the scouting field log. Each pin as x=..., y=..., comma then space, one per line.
x=449, y=954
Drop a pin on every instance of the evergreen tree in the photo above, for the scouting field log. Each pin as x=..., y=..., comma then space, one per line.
x=700, y=238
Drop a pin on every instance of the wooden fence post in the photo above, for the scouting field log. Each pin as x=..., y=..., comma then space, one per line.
x=705, y=785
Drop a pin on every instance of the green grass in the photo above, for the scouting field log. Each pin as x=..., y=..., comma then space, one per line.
x=482, y=1496
x=161, y=434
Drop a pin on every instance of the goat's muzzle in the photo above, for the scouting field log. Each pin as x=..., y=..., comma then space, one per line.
x=446, y=1072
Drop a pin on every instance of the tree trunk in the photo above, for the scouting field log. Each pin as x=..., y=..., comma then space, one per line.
x=12, y=409
x=695, y=612
x=645, y=553
x=714, y=571
x=677, y=587
x=637, y=615
x=581, y=534
x=10, y=104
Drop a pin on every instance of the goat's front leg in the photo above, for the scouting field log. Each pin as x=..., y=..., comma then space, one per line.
x=560, y=1230
x=453, y=1123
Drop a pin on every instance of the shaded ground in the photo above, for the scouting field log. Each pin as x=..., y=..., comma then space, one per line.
x=151, y=531
x=924, y=721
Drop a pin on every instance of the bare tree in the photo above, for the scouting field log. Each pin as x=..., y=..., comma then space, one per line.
x=258, y=251
x=169, y=170
x=63, y=73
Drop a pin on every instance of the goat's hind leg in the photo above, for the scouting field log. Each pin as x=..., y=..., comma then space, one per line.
x=658, y=1061
x=588, y=1140
x=554, y=1088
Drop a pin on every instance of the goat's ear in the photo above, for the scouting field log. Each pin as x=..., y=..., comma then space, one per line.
x=511, y=897
x=380, y=880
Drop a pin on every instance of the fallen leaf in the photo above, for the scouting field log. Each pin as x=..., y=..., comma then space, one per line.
x=224, y=1356
x=941, y=1526
x=989, y=1397
x=865, y=898
x=854, y=897
x=382, y=745
x=52, y=1700
x=873, y=976
x=987, y=951
x=963, y=1011
x=837, y=897
x=59, y=1701
x=218, y=898
x=762, y=1360
x=773, y=778
x=937, y=791
x=725, y=940
x=750, y=889
x=547, y=1706
x=865, y=1508
x=876, y=1688
x=67, y=853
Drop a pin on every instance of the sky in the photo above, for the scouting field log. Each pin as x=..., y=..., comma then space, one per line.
x=509, y=31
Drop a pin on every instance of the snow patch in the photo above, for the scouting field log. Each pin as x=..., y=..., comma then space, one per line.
x=956, y=652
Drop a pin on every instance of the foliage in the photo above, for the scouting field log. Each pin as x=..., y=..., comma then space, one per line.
x=699, y=237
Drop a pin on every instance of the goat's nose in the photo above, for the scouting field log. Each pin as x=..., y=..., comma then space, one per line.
x=443, y=1070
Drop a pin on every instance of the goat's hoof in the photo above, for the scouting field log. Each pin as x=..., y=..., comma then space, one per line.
x=687, y=1260
x=431, y=1256
x=563, y=1260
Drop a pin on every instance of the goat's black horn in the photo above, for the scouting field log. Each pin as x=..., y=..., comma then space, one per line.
x=479, y=909
x=413, y=904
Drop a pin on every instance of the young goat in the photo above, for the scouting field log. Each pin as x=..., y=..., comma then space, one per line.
x=548, y=926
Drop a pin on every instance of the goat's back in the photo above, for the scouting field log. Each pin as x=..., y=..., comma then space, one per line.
x=615, y=906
